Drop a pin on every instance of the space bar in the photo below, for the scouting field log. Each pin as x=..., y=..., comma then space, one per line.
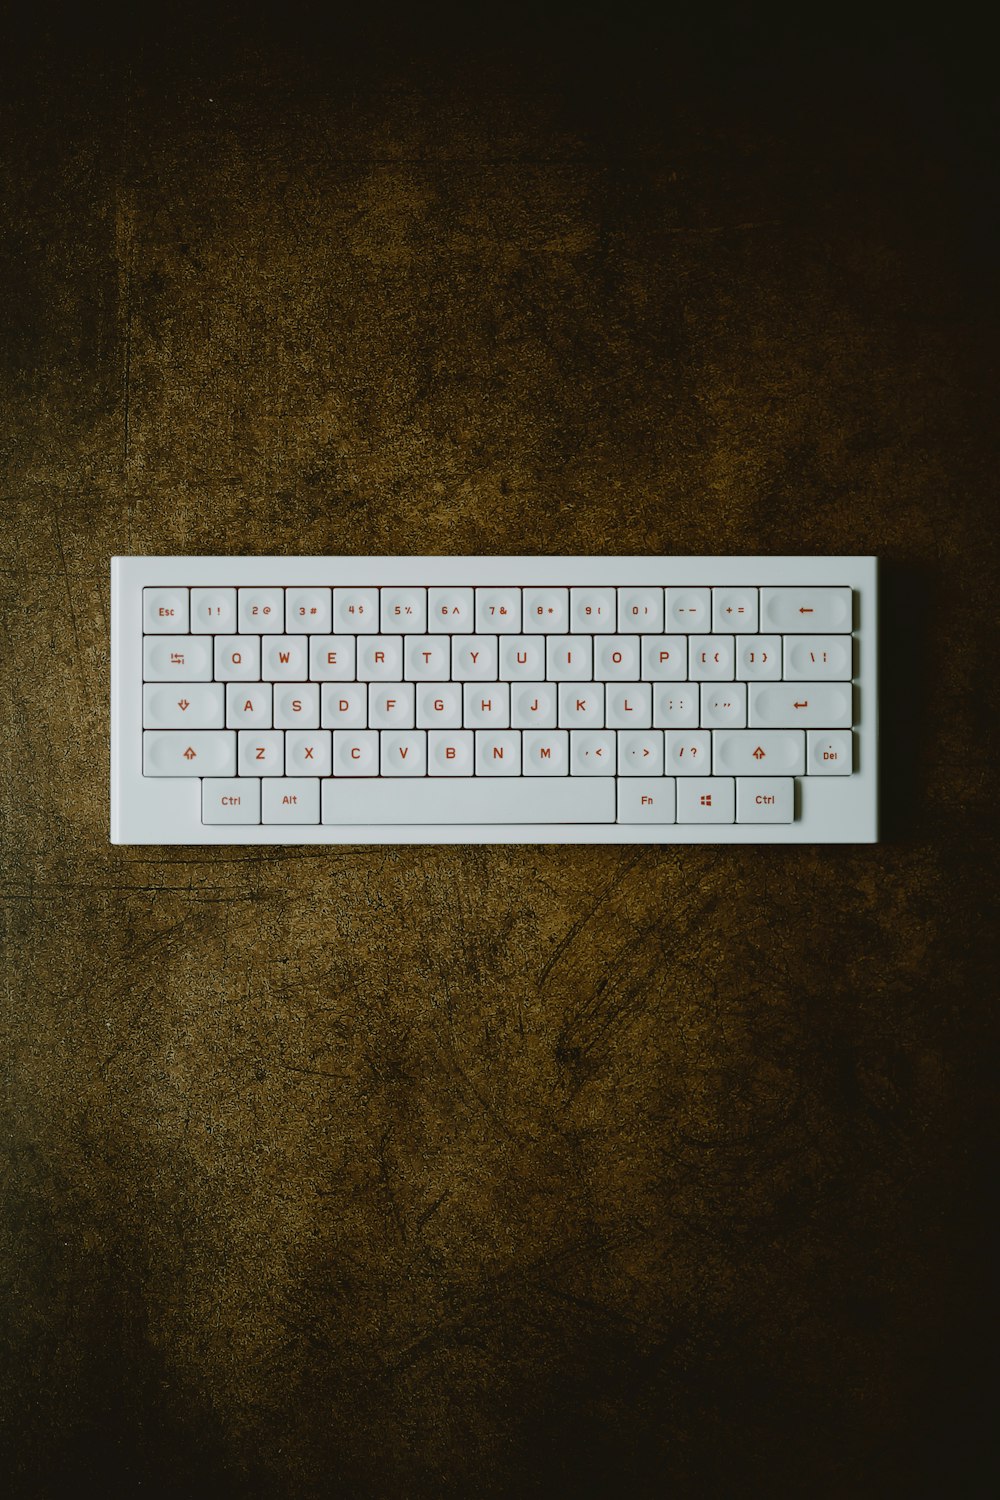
x=481, y=799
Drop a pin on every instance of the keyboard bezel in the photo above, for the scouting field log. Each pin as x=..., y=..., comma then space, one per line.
x=166, y=811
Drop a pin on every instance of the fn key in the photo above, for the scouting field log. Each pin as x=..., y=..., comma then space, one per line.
x=647, y=799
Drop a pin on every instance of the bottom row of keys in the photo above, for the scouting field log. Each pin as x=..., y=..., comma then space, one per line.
x=652, y=800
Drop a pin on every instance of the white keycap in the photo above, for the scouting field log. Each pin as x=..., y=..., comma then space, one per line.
x=640, y=752
x=498, y=611
x=650, y=800
x=641, y=610
x=261, y=752
x=498, y=800
x=308, y=612
x=675, y=706
x=179, y=658
x=818, y=658
x=593, y=611
x=487, y=706
x=344, y=705
x=735, y=611
x=451, y=611
x=284, y=658
x=355, y=752
x=629, y=706
x=688, y=753
x=380, y=658
x=522, y=658
x=534, y=705
x=765, y=799
x=261, y=611
x=724, y=706
x=230, y=799
x=706, y=799
x=592, y=752
x=664, y=658
x=616, y=658
x=307, y=752
x=546, y=752
x=546, y=611
x=689, y=609
x=392, y=707
x=355, y=611
x=764, y=752
x=829, y=752
x=188, y=752
x=474, y=658
x=165, y=611
x=332, y=658
x=186, y=705
x=214, y=611
x=237, y=658
x=806, y=609
x=570, y=658
x=296, y=705
x=439, y=706
x=451, y=752
x=290, y=800
x=758, y=658
x=498, y=752
x=712, y=658
x=404, y=610
x=426, y=658
x=404, y=753
x=581, y=705
x=248, y=705
x=811, y=705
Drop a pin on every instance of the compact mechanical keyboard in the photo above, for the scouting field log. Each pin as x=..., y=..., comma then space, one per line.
x=493, y=700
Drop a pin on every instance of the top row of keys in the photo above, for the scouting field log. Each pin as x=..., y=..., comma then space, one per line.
x=403, y=610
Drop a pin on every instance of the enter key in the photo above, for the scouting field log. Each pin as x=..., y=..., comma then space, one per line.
x=801, y=705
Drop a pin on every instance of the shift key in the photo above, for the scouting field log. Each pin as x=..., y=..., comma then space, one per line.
x=801, y=705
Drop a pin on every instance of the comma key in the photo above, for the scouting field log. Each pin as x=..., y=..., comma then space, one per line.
x=650, y=799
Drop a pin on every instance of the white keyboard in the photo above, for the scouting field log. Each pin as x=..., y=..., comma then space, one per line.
x=342, y=700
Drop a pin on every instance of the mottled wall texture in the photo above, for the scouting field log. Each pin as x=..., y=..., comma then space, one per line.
x=520, y=1172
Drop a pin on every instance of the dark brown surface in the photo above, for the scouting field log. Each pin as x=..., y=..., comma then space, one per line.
x=444, y=1172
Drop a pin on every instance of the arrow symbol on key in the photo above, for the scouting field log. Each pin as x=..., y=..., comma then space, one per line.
x=759, y=753
x=183, y=703
x=801, y=705
x=190, y=754
x=804, y=611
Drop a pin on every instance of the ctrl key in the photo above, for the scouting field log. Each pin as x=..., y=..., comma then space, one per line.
x=230, y=799
x=765, y=799
x=644, y=799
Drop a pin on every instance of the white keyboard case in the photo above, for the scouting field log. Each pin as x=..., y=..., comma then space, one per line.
x=166, y=810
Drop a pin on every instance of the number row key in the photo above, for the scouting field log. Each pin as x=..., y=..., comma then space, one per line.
x=408, y=610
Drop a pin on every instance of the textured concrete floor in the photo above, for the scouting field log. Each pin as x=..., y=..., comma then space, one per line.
x=444, y=1172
